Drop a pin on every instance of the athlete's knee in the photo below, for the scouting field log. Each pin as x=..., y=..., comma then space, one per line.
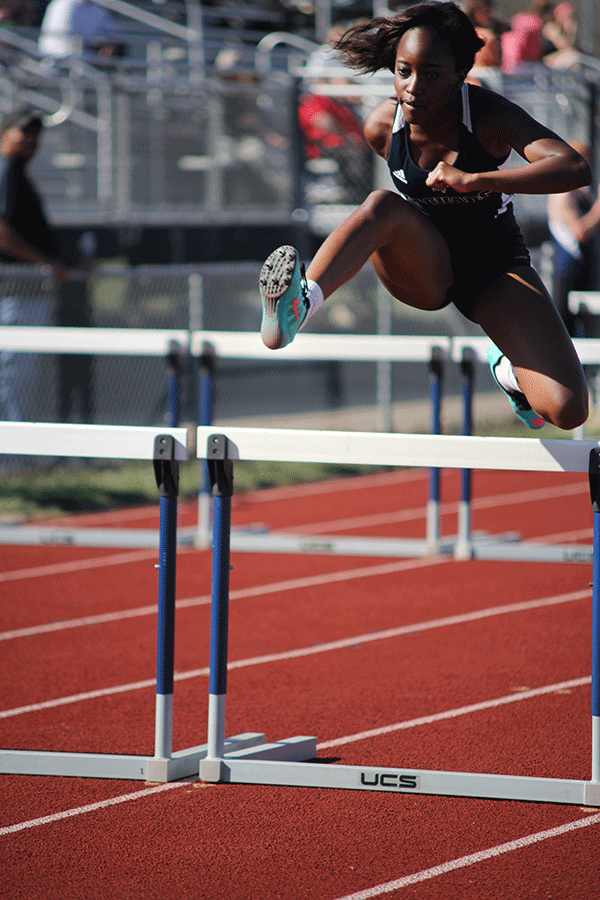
x=568, y=409
x=382, y=206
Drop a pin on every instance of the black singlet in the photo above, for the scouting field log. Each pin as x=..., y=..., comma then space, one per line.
x=479, y=228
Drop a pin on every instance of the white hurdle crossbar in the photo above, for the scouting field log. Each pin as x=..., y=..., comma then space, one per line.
x=287, y=762
x=165, y=448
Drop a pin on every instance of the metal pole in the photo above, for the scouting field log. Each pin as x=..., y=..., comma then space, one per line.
x=464, y=547
x=207, y=365
x=436, y=372
x=166, y=470
x=175, y=364
x=221, y=473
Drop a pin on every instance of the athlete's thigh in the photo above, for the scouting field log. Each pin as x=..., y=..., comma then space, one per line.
x=519, y=316
x=414, y=264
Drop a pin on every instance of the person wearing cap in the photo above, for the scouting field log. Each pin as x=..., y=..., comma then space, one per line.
x=25, y=237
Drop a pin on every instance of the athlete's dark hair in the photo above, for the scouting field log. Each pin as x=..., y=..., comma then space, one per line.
x=372, y=46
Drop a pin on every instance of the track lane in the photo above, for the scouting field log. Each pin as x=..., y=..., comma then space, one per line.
x=303, y=841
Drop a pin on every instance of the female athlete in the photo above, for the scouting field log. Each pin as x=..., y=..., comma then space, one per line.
x=449, y=235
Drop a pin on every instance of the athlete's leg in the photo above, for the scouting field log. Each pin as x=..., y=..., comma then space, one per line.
x=520, y=317
x=408, y=253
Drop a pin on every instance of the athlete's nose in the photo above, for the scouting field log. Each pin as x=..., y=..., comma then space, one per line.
x=414, y=86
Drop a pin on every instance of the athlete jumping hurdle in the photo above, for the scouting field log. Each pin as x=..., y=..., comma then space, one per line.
x=450, y=236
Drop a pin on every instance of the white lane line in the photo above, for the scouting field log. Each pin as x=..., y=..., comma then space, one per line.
x=567, y=537
x=276, y=587
x=310, y=651
x=334, y=485
x=260, y=495
x=409, y=515
x=361, y=895
x=91, y=807
x=79, y=565
x=241, y=594
x=315, y=528
x=473, y=858
x=455, y=713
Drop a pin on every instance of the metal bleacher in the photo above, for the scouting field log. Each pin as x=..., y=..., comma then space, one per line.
x=194, y=124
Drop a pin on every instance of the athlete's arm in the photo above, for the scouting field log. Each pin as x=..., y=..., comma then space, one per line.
x=552, y=165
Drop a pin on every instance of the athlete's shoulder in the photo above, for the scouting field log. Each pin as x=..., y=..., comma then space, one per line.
x=378, y=126
x=490, y=112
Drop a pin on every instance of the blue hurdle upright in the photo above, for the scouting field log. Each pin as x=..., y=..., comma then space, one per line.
x=292, y=761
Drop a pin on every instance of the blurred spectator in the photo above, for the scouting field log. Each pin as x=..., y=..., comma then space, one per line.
x=544, y=9
x=25, y=236
x=561, y=33
x=489, y=28
x=333, y=134
x=15, y=13
x=523, y=43
x=574, y=223
x=337, y=156
x=70, y=24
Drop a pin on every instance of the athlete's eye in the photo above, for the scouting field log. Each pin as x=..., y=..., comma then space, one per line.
x=403, y=73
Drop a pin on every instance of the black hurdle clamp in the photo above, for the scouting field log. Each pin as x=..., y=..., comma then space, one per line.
x=594, y=476
x=166, y=467
x=220, y=467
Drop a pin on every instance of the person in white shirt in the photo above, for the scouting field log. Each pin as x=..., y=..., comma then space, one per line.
x=70, y=26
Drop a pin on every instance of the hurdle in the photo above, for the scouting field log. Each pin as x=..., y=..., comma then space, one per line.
x=435, y=352
x=172, y=345
x=466, y=352
x=431, y=350
x=270, y=763
x=165, y=449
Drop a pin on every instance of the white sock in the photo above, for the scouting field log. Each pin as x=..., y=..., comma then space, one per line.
x=506, y=376
x=315, y=299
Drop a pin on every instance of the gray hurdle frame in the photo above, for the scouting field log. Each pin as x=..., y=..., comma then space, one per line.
x=165, y=449
x=466, y=351
x=435, y=351
x=171, y=345
x=431, y=350
x=292, y=761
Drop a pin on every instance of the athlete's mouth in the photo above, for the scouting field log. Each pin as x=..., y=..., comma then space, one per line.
x=411, y=104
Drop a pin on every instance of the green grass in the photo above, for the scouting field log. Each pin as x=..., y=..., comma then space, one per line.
x=64, y=489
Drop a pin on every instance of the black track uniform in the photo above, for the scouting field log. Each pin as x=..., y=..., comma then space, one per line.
x=479, y=228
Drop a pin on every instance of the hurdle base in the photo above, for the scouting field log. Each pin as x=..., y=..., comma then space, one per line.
x=506, y=547
x=182, y=764
x=291, y=750
x=239, y=770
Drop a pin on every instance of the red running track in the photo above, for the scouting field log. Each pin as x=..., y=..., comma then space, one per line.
x=357, y=651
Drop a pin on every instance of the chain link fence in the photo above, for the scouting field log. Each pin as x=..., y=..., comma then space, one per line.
x=214, y=297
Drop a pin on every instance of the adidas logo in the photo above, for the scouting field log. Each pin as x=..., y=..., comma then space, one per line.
x=399, y=173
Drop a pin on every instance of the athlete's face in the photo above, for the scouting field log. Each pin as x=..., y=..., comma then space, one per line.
x=425, y=80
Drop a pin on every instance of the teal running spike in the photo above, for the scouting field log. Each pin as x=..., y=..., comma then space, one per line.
x=283, y=291
x=517, y=398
